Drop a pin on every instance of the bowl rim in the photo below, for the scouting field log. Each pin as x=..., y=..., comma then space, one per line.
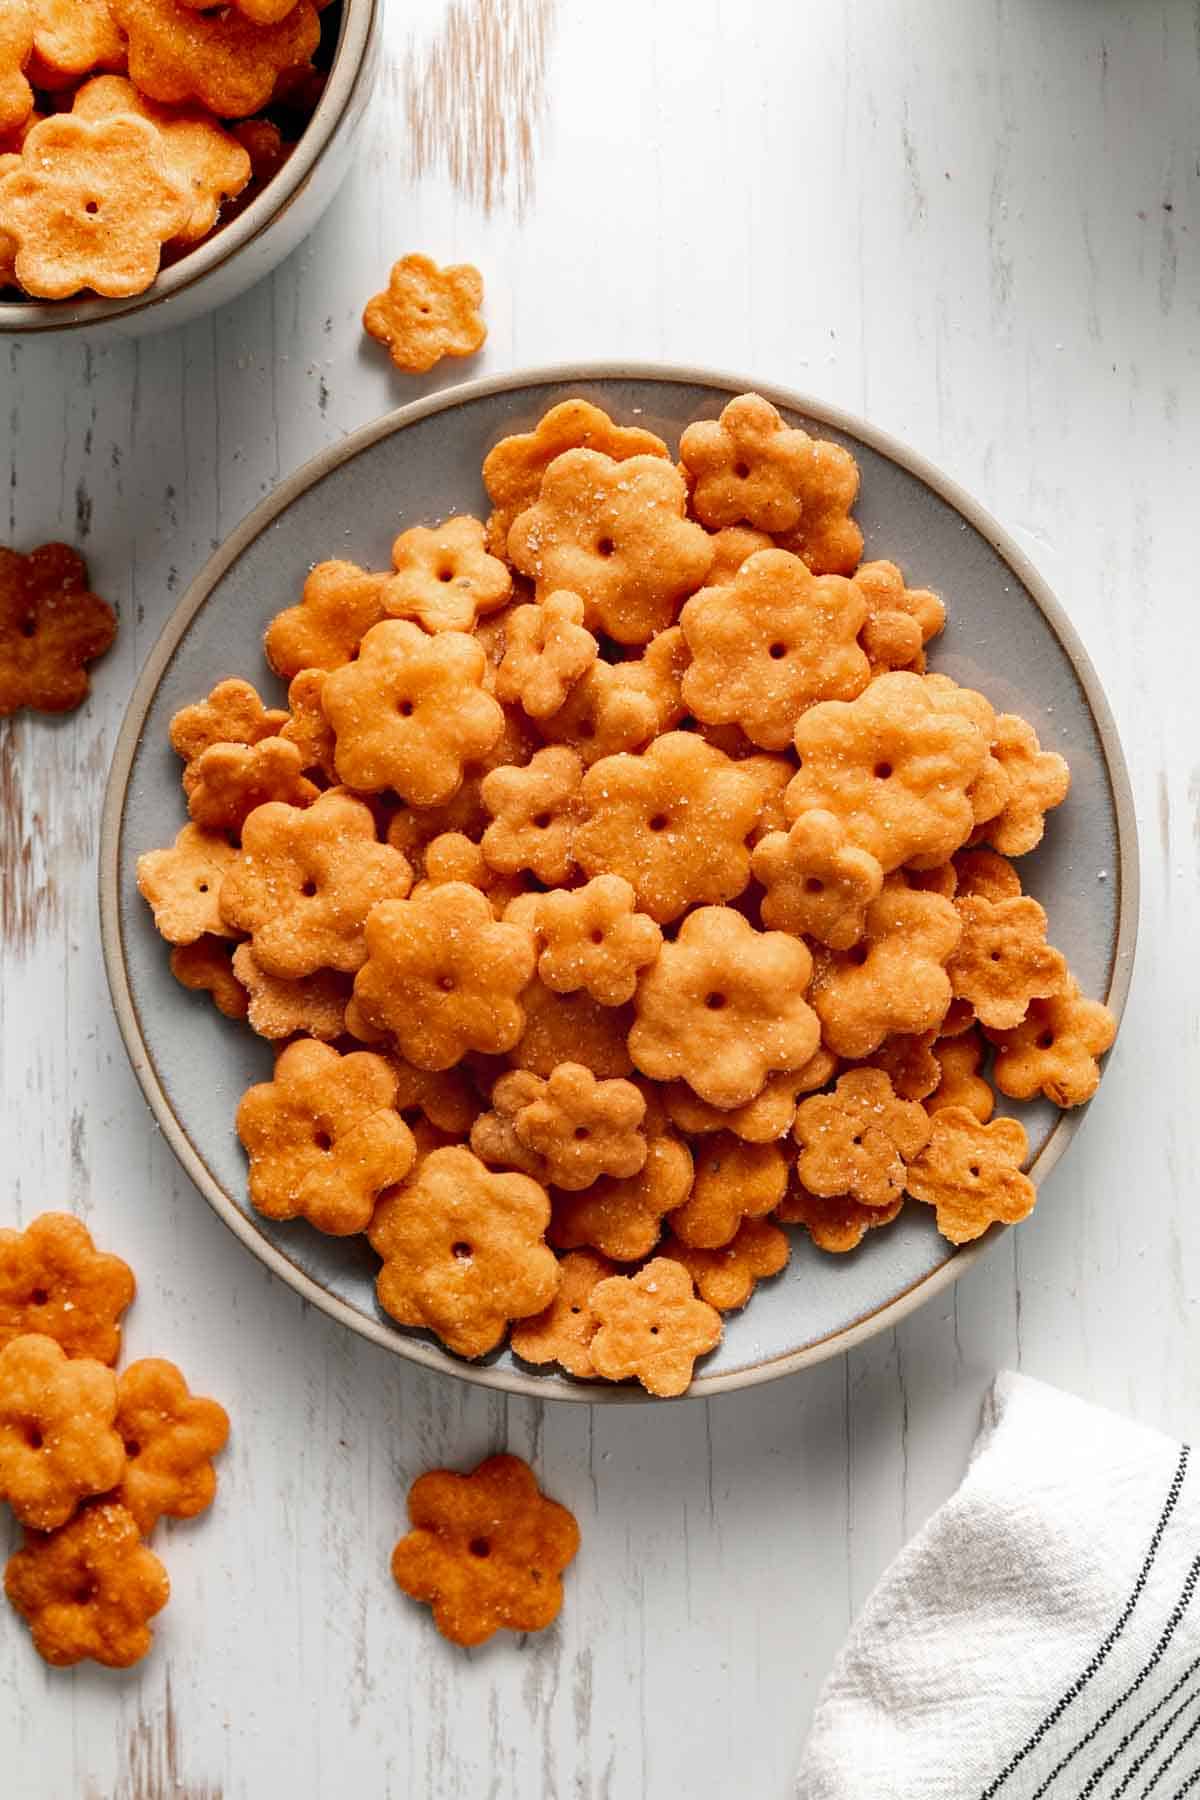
x=34, y=317
x=429, y=1354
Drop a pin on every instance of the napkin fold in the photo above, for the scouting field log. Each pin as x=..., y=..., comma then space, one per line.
x=1040, y=1636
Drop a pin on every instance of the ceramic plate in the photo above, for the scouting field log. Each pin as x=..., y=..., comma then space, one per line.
x=1006, y=635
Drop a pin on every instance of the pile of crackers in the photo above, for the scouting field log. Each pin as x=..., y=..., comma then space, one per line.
x=619, y=886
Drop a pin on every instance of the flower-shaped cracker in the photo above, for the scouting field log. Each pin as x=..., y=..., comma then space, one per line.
x=658, y=673
x=900, y=620
x=91, y=207
x=71, y=37
x=233, y=713
x=971, y=1173
x=323, y=1138
x=727, y=1276
x=534, y=813
x=89, y=1590
x=731, y=547
x=513, y=468
x=817, y=883
x=205, y=967
x=893, y=768
x=16, y=42
x=307, y=727
x=615, y=534
x=572, y=1028
x=984, y=874
x=228, y=781
x=411, y=712
x=603, y=714
x=314, y=1006
x=895, y=980
x=770, y=643
x=170, y=1438
x=859, y=1139
x=222, y=59
x=444, y=975
x=581, y=1128
x=1039, y=780
x=827, y=538
x=54, y=1281
x=563, y=1333
x=463, y=1250
x=444, y=577
x=50, y=628
x=907, y=1060
x=486, y=1550
x=760, y=1121
x=183, y=884
x=427, y=312
x=959, y=1060
x=57, y=1442
x=748, y=465
x=494, y=1134
x=733, y=1181
x=443, y=1097
x=593, y=938
x=209, y=164
x=1055, y=1049
x=723, y=1007
x=546, y=652
x=835, y=1225
x=652, y=1327
x=261, y=12
x=453, y=857
x=1003, y=961
x=304, y=882
x=623, y=1219
x=340, y=604
x=673, y=821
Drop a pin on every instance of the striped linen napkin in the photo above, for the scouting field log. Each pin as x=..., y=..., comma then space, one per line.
x=1041, y=1636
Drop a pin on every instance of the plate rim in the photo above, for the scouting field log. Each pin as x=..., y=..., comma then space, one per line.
x=430, y=1355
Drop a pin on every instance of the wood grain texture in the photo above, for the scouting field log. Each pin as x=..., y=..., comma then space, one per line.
x=978, y=225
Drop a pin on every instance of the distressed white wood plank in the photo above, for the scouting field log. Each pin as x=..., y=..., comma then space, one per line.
x=980, y=225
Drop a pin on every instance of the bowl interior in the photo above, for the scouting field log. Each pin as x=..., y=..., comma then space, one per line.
x=424, y=465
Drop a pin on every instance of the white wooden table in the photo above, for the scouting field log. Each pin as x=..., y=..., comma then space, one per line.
x=977, y=224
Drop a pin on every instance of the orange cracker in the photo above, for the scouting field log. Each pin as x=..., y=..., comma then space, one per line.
x=207, y=162
x=307, y=727
x=615, y=533
x=580, y=1127
x=769, y=644
x=572, y=1028
x=673, y=821
x=547, y=650
x=72, y=38
x=233, y=713
x=652, y=1327
x=227, y=782
x=732, y=545
x=57, y=1441
x=760, y=1121
x=304, y=882
x=817, y=883
x=749, y=466
x=91, y=206
x=183, y=884
x=723, y=1007
x=1055, y=1050
x=51, y=627
x=1003, y=961
x=658, y=673
x=984, y=874
x=224, y=60
x=89, y=1590
x=838, y=1225
x=463, y=1251
x=170, y=1438
x=900, y=620
x=592, y=938
x=534, y=811
x=17, y=24
x=907, y=1060
x=314, y=1005
x=444, y=975
x=563, y=1333
x=603, y=715
x=205, y=967
x=513, y=469
x=727, y=1276
x=623, y=1219
x=894, y=768
x=54, y=1281
x=1038, y=780
x=895, y=980
x=426, y=313
x=486, y=1551
x=444, y=577
x=734, y=1180
x=959, y=1060
x=859, y=1139
x=411, y=712
x=323, y=1138
x=261, y=12
x=340, y=603
x=971, y=1173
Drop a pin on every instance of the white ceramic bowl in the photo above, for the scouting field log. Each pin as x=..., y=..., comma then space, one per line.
x=251, y=245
